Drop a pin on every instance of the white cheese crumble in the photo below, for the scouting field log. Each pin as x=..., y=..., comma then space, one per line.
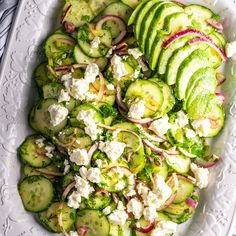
x=115, y=133
x=90, y=96
x=142, y=189
x=74, y=200
x=160, y=126
x=107, y=210
x=57, y=113
x=79, y=157
x=149, y=213
x=120, y=185
x=95, y=43
x=64, y=96
x=83, y=171
x=91, y=72
x=118, y=67
x=83, y=187
x=164, y=228
x=110, y=87
x=202, y=127
x=161, y=189
x=73, y=233
x=94, y=175
x=137, y=110
x=135, y=207
x=230, y=49
x=40, y=142
x=99, y=163
x=190, y=133
x=113, y=149
x=109, y=53
x=66, y=77
x=131, y=193
x=118, y=216
x=136, y=74
x=91, y=128
x=49, y=151
x=66, y=167
x=201, y=175
x=182, y=119
x=135, y=52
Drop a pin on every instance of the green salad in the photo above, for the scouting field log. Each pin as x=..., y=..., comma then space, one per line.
x=128, y=99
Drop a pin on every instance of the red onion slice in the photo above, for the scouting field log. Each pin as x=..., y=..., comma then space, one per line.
x=92, y=150
x=220, y=78
x=66, y=41
x=68, y=9
x=47, y=172
x=212, y=44
x=105, y=192
x=115, y=198
x=121, y=46
x=145, y=229
x=191, y=203
x=178, y=2
x=63, y=68
x=102, y=88
x=68, y=189
x=82, y=231
x=119, y=99
x=221, y=98
x=143, y=64
x=182, y=33
x=216, y=24
x=120, y=22
x=207, y=163
x=140, y=121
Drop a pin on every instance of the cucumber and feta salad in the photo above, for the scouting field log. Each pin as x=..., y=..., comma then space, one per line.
x=127, y=102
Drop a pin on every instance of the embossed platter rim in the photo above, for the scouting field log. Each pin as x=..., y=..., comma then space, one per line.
x=35, y=19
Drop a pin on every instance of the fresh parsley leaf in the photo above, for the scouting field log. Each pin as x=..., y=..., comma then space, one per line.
x=85, y=18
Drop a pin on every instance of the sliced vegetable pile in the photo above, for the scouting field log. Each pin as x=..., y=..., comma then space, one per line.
x=128, y=98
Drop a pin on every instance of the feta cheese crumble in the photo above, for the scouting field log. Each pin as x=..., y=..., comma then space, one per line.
x=113, y=149
x=49, y=151
x=74, y=200
x=202, y=127
x=107, y=210
x=110, y=87
x=73, y=233
x=120, y=185
x=91, y=72
x=201, y=175
x=118, y=67
x=137, y=110
x=77, y=88
x=99, y=163
x=230, y=49
x=83, y=187
x=40, y=142
x=64, y=96
x=118, y=216
x=95, y=43
x=160, y=126
x=189, y=133
x=136, y=74
x=164, y=228
x=79, y=157
x=149, y=213
x=57, y=113
x=91, y=128
x=135, y=52
x=94, y=175
x=135, y=207
x=182, y=119
x=83, y=171
x=66, y=167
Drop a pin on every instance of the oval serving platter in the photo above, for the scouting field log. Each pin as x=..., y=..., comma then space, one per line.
x=34, y=20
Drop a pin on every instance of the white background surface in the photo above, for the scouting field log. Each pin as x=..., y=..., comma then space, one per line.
x=35, y=20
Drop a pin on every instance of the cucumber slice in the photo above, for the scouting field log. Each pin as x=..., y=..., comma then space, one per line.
x=168, y=97
x=197, y=60
x=37, y=193
x=84, y=38
x=49, y=218
x=143, y=15
x=52, y=90
x=158, y=22
x=167, y=53
x=161, y=170
x=177, y=59
x=202, y=80
x=184, y=191
x=98, y=201
x=127, y=126
x=180, y=164
x=147, y=91
x=33, y=155
x=79, y=9
x=29, y=171
x=73, y=138
x=221, y=38
x=145, y=24
x=40, y=75
x=40, y=118
x=95, y=221
x=97, y=116
x=118, y=9
x=59, y=49
x=99, y=5
x=81, y=58
x=131, y=3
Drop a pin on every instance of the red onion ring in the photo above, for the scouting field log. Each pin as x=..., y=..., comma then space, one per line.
x=92, y=150
x=68, y=189
x=182, y=33
x=47, y=172
x=102, y=88
x=63, y=68
x=82, y=231
x=178, y=2
x=105, y=192
x=207, y=163
x=212, y=44
x=67, y=41
x=216, y=24
x=68, y=9
x=140, y=121
x=119, y=21
x=191, y=203
x=145, y=229
x=221, y=98
x=143, y=64
x=119, y=99
x=115, y=198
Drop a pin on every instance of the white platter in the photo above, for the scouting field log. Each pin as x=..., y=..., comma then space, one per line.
x=35, y=19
